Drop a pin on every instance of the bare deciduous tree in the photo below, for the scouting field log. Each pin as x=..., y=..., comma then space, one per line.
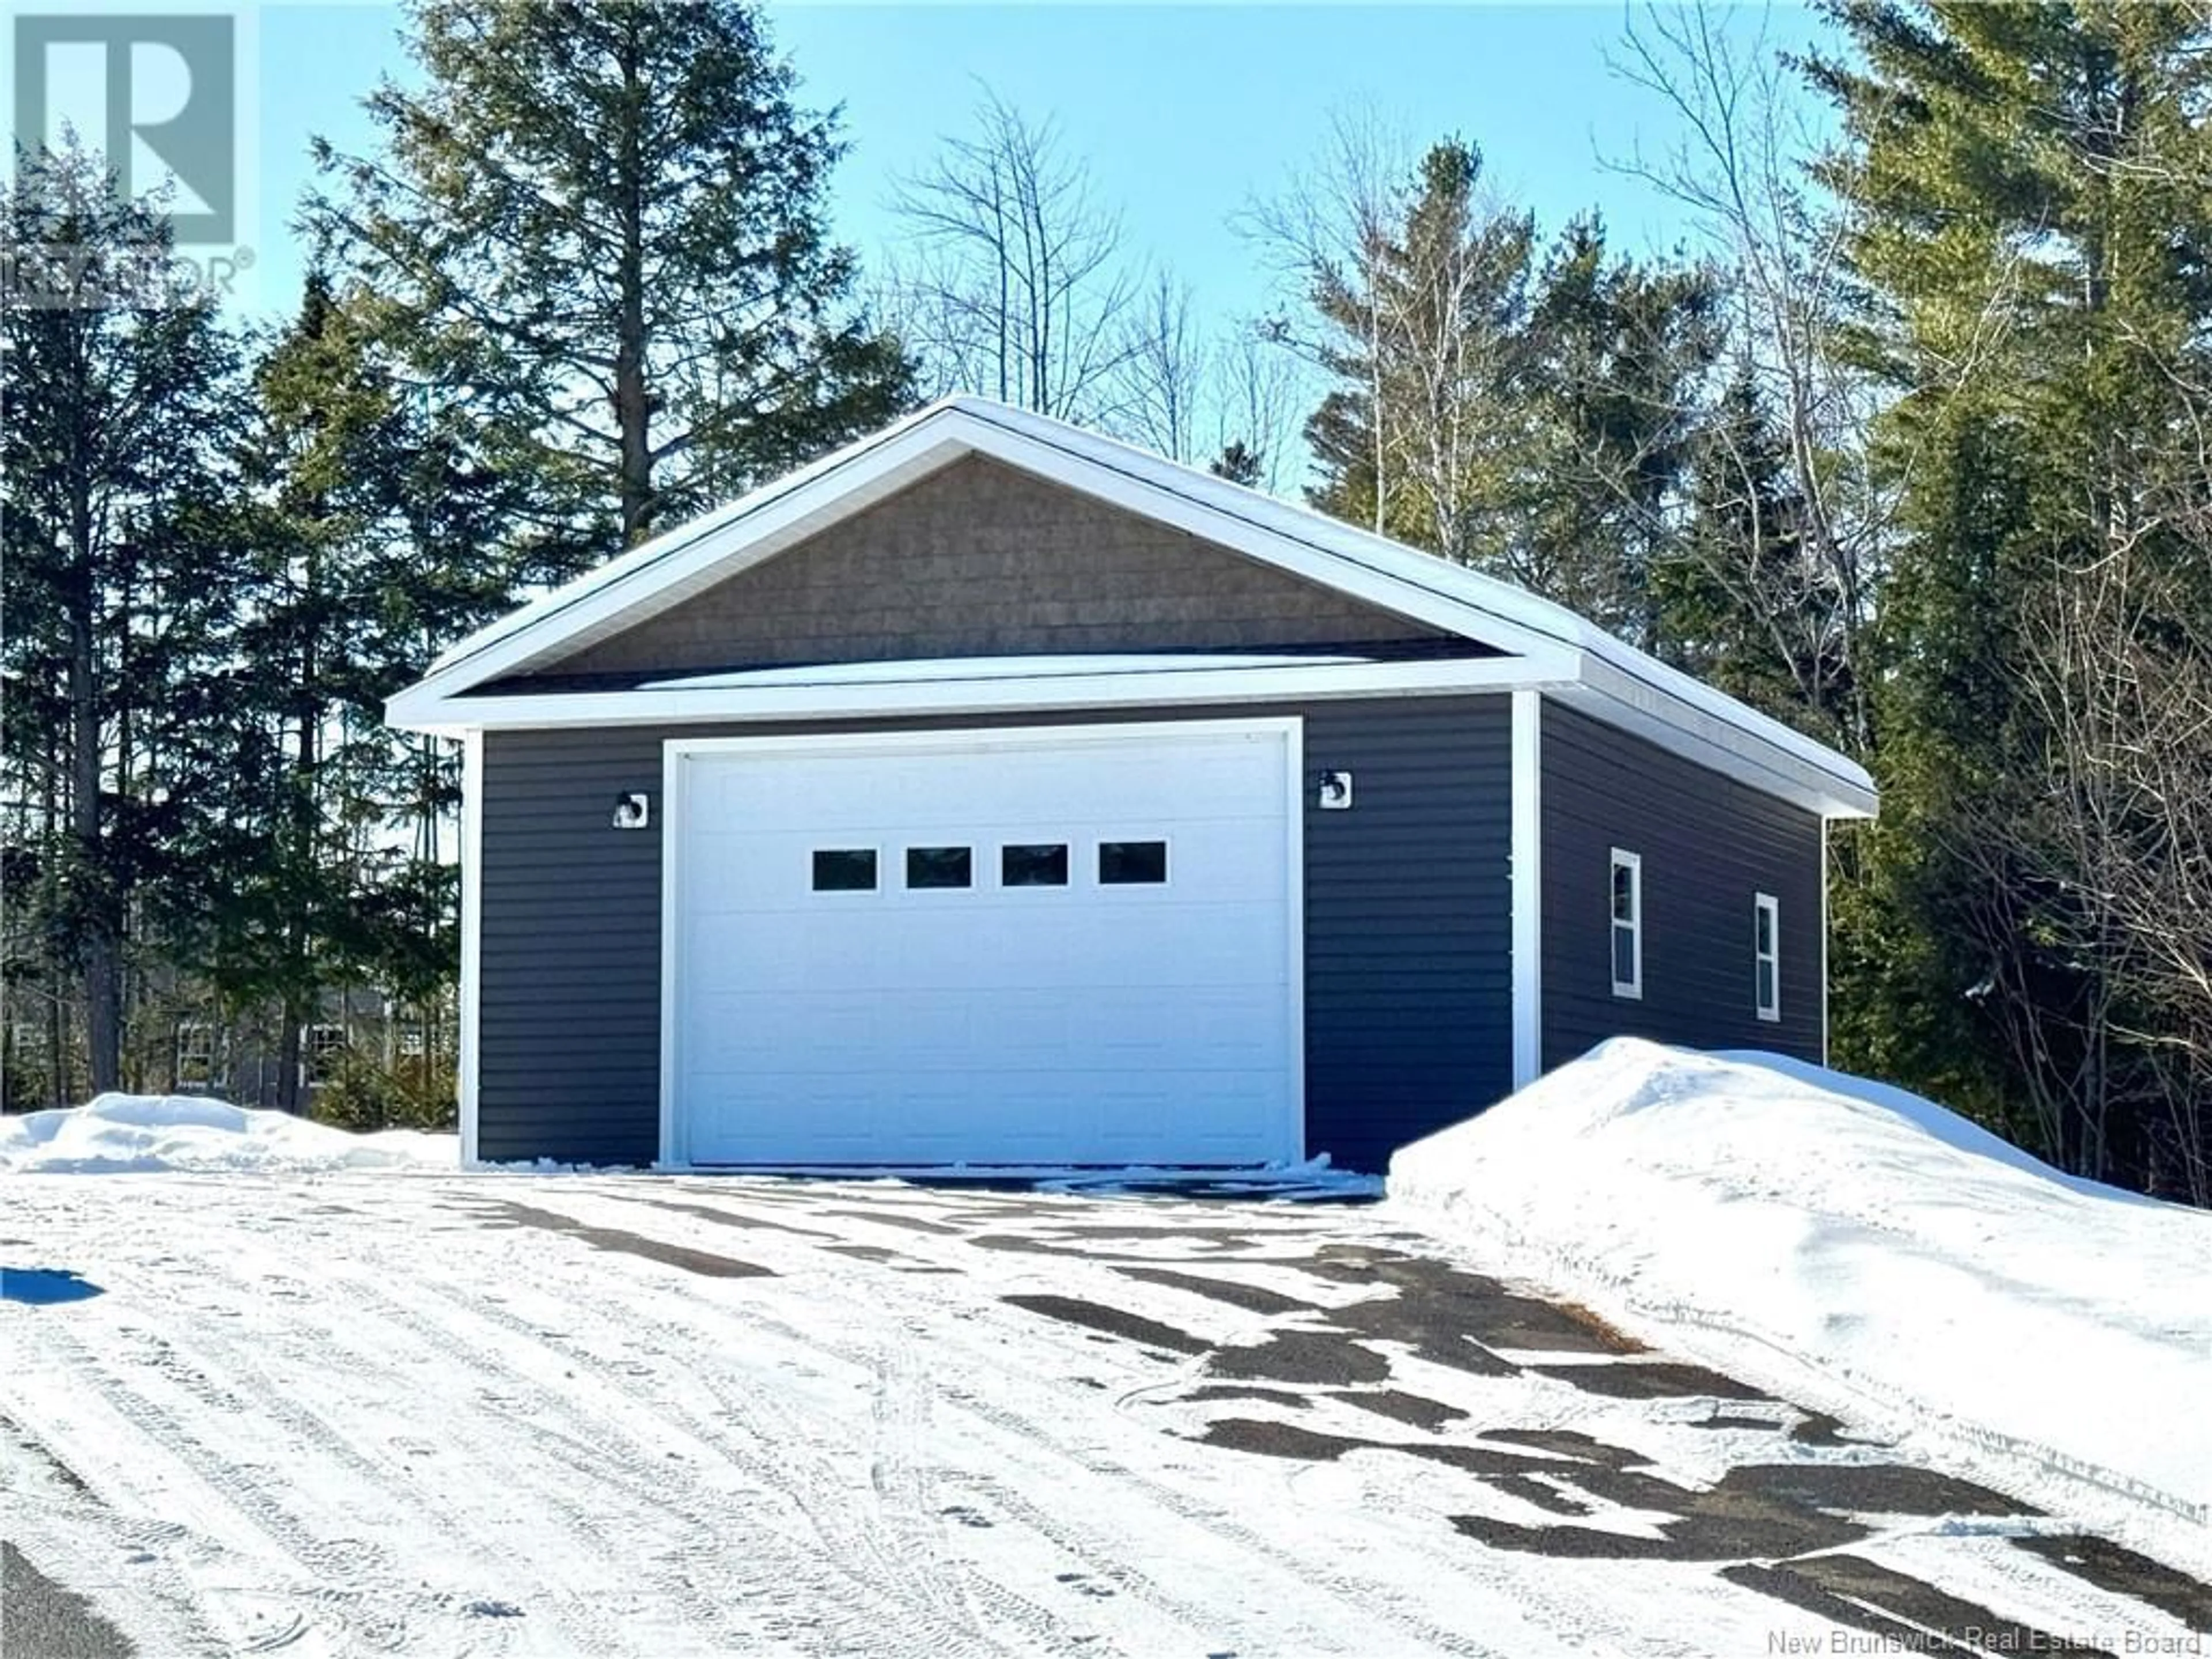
x=2094, y=902
x=1414, y=286
x=1337, y=220
x=1163, y=372
x=1741, y=168
x=1258, y=399
x=1017, y=288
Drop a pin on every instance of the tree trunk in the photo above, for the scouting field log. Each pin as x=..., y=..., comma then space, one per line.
x=102, y=959
x=633, y=402
x=51, y=854
x=289, y=1057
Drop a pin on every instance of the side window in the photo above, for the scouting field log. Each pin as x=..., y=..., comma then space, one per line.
x=1627, y=924
x=195, y=1055
x=324, y=1046
x=1766, y=956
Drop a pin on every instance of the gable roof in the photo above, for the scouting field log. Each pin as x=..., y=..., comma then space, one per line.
x=1549, y=645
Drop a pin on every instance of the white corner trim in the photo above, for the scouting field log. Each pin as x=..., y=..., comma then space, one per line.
x=468, y=1070
x=675, y=1152
x=1528, y=886
x=1824, y=942
x=1294, y=927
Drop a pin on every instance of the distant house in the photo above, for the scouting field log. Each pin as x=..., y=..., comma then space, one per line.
x=993, y=793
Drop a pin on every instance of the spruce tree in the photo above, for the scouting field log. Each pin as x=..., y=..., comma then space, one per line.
x=1620, y=352
x=363, y=522
x=1528, y=411
x=2025, y=188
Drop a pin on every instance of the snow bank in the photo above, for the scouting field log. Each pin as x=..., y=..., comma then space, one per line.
x=1815, y=1226
x=143, y=1133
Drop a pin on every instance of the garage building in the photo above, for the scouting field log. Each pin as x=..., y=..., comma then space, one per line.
x=993, y=793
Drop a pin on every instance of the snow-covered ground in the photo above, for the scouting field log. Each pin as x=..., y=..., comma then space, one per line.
x=276, y=1401
x=1858, y=1245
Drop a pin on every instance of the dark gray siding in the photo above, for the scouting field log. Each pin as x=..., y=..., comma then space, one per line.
x=1408, y=922
x=1708, y=844
x=568, y=985
x=1408, y=986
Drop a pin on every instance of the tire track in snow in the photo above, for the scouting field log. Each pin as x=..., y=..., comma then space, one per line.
x=229, y=1482
x=504, y=1465
x=786, y=1446
x=514, y=1459
x=465, y=1525
x=1020, y=1438
x=905, y=1537
x=812, y=1588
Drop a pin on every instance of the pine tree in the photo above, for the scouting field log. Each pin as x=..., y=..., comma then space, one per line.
x=1744, y=601
x=1427, y=334
x=1620, y=352
x=1240, y=464
x=601, y=226
x=118, y=394
x=1527, y=412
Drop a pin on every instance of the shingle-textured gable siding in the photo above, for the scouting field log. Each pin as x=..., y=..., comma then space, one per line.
x=1708, y=844
x=981, y=559
x=1407, y=1016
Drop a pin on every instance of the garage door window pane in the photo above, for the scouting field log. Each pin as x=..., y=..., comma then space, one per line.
x=939, y=867
x=1132, y=863
x=845, y=870
x=1044, y=866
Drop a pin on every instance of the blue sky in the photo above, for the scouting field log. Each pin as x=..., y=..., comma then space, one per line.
x=1185, y=114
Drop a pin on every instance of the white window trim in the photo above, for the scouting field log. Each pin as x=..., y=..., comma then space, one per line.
x=196, y=1042
x=1618, y=861
x=1766, y=905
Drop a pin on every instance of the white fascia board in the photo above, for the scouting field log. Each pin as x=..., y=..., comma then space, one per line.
x=1837, y=790
x=942, y=694
x=1495, y=601
x=1621, y=684
x=1490, y=610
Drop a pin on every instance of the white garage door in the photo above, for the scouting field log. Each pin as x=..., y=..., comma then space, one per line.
x=1075, y=945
